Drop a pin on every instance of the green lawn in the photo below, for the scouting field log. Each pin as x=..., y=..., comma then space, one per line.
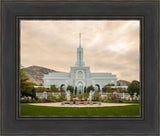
x=32, y=110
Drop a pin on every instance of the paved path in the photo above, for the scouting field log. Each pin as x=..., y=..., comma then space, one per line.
x=58, y=104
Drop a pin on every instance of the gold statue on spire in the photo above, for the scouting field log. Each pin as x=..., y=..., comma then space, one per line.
x=79, y=39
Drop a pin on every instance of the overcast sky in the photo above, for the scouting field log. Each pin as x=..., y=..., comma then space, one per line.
x=108, y=46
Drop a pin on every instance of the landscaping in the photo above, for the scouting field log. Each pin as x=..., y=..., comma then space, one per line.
x=32, y=110
x=110, y=101
x=96, y=97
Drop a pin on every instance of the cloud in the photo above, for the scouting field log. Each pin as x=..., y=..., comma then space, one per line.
x=108, y=46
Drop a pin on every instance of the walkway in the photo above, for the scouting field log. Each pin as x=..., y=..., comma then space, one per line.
x=58, y=104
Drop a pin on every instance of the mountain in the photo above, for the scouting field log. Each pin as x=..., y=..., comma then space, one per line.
x=122, y=82
x=36, y=73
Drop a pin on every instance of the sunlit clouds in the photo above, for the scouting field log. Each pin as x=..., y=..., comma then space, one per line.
x=108, y=46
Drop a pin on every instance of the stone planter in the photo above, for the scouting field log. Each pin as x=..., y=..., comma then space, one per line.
x=62, y=103
x=99, y=103
x=85, y=103
x=77, y=103
x=71, y=103
x=91, y=103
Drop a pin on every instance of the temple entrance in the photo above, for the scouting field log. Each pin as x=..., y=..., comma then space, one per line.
x=80, y=88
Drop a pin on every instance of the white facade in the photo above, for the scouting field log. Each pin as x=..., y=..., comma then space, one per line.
x=79, y=76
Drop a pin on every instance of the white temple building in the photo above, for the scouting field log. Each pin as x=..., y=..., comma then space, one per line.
x=79, y=76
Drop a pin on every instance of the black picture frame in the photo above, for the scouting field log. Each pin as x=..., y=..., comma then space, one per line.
x=146, y=11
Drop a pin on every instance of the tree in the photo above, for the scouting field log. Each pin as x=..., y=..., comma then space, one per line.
x=23, y=80
x=26, y=86
x=75, y=90
x=33, y=93
x=107, y=88
x=62, y=89
x=41, y=89
x=134, y=87
x=110, y=84
x=70, y=88
x=90, y=88
x=99, y=90
x=53, y=88
x=85, y=89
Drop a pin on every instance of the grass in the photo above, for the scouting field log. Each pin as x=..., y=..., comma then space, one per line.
x=32, y=110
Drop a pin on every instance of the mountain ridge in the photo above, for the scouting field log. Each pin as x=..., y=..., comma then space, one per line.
x=36, y=73
x=122, y=82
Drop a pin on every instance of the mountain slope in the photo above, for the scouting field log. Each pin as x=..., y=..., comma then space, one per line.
x=122, y=82
x=36, y=73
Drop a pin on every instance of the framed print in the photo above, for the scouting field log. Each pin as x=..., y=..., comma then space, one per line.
x=80, y=91
x=71, y=66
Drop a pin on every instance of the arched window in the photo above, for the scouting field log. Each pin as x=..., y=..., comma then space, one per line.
x=80, y=74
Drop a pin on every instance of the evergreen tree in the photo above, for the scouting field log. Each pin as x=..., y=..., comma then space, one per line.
x=85, y=89
x=75, y=90
x=90, y=88
x=70, y=88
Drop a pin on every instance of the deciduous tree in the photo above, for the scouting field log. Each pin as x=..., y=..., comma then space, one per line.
x=107, y=88
x=26, y=87
x=53, y=88
x=134, y=87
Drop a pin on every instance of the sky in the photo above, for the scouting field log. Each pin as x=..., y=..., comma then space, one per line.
x=110, y=46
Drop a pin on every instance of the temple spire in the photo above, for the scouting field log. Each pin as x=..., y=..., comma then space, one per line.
x=79, y=39
x=80, y=62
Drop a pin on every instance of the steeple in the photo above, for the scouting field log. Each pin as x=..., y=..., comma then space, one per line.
x=79, y=62
x=79, y=39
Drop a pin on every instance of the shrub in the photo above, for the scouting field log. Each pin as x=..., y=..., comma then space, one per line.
x=34, y=100
x=41, y=89
x=44, y=100
x=53, y=88
x=121, y=90
x=62, y=97
x=54, y=98
x=120, y=101
x=113, y=101
x=80, y=96
x=96, y=96
x=72, y=96
x=107, y=89
x=28, y=100
x=85, y=95
x=49, y=97
x=130, y=101
x=108, y=95
x=63, y=93
x=114, y=96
